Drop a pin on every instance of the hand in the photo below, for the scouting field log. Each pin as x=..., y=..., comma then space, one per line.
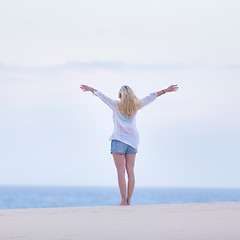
x=86, y=88
x=171, y=88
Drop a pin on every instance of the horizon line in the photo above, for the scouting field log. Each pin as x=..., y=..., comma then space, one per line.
x=106, y=186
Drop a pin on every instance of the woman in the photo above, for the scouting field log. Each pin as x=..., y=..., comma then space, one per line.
x=125, y=138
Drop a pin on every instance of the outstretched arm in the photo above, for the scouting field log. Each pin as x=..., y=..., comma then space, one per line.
x=105, y=99
x=151, y=97
x=171, y=88
x=86, y=88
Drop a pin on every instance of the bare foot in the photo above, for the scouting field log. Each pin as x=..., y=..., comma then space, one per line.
x=123, y=203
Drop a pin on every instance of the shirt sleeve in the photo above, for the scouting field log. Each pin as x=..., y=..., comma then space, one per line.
x=110, y=102
x=148, y=99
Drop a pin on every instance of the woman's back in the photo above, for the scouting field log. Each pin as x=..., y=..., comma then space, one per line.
x=129, y=103
x=124, y=127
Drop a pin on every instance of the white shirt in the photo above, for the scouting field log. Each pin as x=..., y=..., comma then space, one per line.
x=125, y=129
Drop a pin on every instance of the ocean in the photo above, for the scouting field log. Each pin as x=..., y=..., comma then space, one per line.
x=17, y=197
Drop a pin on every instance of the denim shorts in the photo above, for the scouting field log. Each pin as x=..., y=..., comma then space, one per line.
x=122, y=148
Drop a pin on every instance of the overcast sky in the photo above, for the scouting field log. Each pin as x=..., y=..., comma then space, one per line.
x=52, y=133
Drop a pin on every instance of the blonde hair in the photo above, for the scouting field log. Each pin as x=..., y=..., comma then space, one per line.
x=129, y=103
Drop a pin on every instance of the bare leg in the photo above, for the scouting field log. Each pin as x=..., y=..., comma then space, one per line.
x=119, y=160
x=130, y=162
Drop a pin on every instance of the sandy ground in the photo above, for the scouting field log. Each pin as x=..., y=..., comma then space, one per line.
x=193, y=221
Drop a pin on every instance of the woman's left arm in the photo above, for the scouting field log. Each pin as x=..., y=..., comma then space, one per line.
x=86, y=88
x=104, y=98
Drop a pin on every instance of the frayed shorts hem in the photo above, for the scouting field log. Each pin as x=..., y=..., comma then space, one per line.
x=122, y=148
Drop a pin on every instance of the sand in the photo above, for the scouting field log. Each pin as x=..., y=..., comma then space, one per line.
x=203, y=221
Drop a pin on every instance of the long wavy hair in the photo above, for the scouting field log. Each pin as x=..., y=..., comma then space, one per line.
x=129, y=103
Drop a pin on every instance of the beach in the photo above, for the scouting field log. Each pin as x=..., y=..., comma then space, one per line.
x=219, y=220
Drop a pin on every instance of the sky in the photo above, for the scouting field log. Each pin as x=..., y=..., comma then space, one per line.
x=52, y=133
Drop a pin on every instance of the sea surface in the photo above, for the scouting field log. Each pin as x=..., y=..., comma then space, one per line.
x=16, y=197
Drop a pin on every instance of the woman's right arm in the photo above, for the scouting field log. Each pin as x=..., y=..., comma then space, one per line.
x=171, y=88
x=104, y=98
x=151, y=97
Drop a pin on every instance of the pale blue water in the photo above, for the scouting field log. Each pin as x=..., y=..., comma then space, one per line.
x=13, y=197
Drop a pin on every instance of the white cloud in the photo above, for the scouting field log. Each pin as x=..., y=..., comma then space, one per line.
x=46, y=33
